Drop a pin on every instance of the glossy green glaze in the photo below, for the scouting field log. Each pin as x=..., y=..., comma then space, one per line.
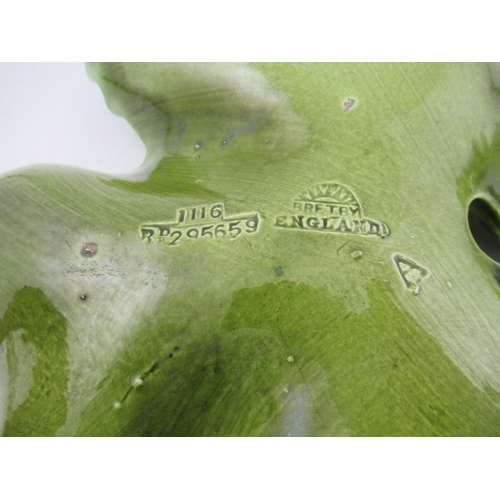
x=293, y=258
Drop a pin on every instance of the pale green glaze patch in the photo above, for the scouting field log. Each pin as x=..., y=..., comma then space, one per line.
x=22, y=358
x=208, y=112
x=44, y=409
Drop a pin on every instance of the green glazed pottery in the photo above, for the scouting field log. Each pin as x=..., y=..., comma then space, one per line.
x=307, y=250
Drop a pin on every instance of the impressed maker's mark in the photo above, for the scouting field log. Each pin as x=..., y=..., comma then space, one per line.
x=331, y=208
x=200, y=223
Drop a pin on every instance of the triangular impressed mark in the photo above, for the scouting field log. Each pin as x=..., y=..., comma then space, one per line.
x=411, y=273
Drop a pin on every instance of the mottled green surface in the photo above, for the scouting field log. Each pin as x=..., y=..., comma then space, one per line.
x=414, y=388
x=237, y=381
x=44, y=409
x=279, y=331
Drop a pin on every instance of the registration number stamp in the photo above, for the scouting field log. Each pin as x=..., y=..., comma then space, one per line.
x=201, y=222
